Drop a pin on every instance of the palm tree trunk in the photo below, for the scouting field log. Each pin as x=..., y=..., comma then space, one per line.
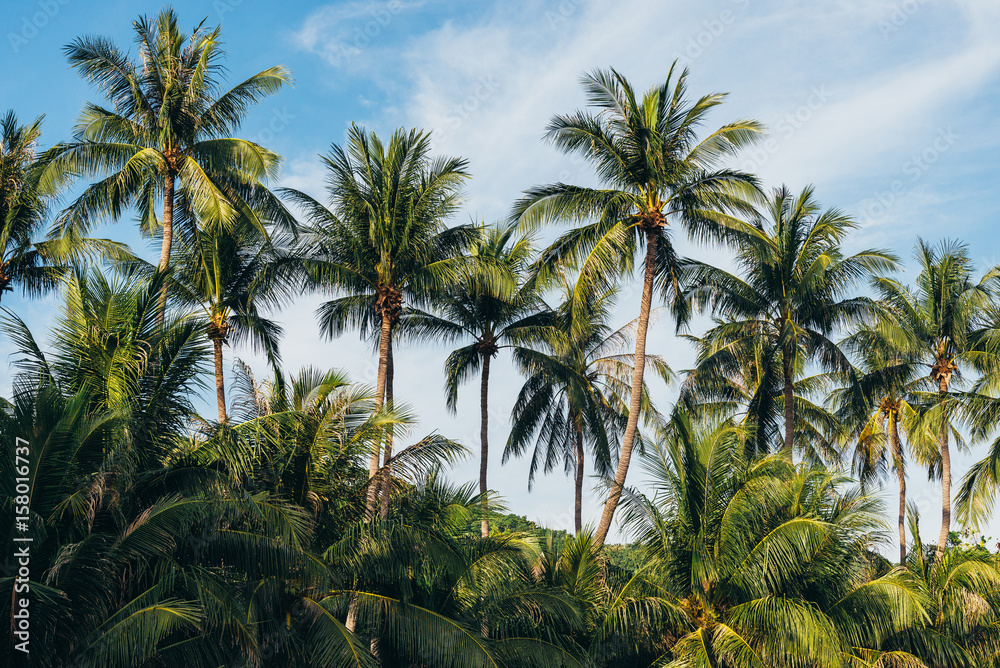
x=484, y=454
x=897, y=456
x=220, y=385
x=168, y=236
x=373, y=463
x=484, y=446
x=945, y=475
x=786, y=363
x=371, y=504
x=386, y=484
x=580, y=463
x=652, y=237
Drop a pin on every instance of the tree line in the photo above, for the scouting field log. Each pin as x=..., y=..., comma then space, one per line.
x=295, y=528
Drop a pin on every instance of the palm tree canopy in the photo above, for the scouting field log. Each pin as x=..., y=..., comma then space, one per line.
x=791, y=294
x=232, y=275
x=384, y=243
x=168, y=117
x=748, y=551
x=28, y=261
x=578, y=374
x=495, y=305
x=654, y=171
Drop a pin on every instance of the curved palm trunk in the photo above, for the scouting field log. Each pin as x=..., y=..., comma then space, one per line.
x=385, y=485
x=220, y=385
x=636, y=399
x=484, y=446
x=580, y=463
x=897, y=456
x=945, y=475
x=168, y=236
x=786, y=364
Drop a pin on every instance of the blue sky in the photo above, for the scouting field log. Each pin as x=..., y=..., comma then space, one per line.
x=887, y=106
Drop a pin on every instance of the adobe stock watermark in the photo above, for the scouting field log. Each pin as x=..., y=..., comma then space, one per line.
x=711, y=30
x=485, y=87
x=223, y=7
x=900, y=15
x=20, y=617
x=32, y=23
x=558, y=16
x=381, y=15
x=278, y=123
x=786, y=127
x=915, y=168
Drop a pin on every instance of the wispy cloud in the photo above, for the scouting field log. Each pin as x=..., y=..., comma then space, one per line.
x=340, y=33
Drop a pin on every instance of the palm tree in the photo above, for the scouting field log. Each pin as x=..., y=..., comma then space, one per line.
x=794, y=291
x=27, y=262
x=493, y=319
x=574, y=396
x=143, y=550
x=744, y=380
x=962, y=589
x=937, y=324
x=106, y=341
x=654, y=171
x=167, y=138
x=875, y=411
x=385, y=243
x=313, y=427
x=763, y=563
x=624, y=612
x=425, y=584
x=230, y=275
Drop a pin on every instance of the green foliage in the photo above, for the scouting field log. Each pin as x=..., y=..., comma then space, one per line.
x=161, y=538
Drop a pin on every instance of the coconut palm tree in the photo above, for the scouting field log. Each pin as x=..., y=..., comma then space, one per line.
x=654, y=172
x=27, y=262
x=938, y=324
x=315, y=428
x=963, y=603
x=743, y=380
x=624, y=612
x=384, y=244
x=166, y=142
x=794, y=290
x=492, y=319
x=229, y=275
x=431, y=591
x=763, y=563
x=106, y=341
x=574, y=396
x=142, y=547
x=875, y=410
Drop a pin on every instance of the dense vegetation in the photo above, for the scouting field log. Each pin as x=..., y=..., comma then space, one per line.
x=291, y=530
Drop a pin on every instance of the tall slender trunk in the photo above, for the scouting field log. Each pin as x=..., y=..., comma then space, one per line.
x=897, y=456
x=484, y=458
x=371, y=503
x=373, y=463
x=611, y=504
x=220, y=385
x=786, y=365
x=945, y=474
x=168, y=237
x=580, y=463
x=386, y=483
x=484, y=445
